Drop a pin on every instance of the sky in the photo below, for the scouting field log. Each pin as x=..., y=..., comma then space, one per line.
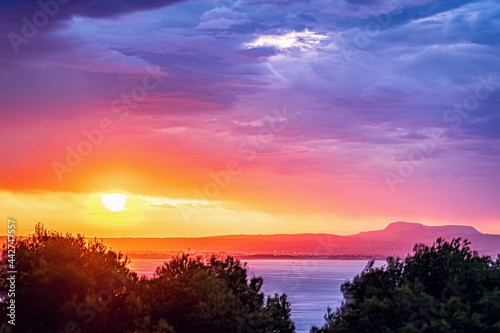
x=249, y=116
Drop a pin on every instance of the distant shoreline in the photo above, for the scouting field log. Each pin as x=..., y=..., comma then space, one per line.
x=167, y=256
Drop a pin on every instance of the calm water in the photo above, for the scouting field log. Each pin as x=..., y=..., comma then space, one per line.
x=311, y=285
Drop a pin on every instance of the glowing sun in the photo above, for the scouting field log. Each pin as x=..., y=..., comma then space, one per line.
x=114, y=202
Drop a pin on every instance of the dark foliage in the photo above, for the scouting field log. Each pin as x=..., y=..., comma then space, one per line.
x=217, y=296
x=67, y=284
x=444, y=288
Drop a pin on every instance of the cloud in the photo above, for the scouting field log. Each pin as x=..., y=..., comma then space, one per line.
x=14, y=10
x=358, y=109
x=295, y=39
x=221, y=18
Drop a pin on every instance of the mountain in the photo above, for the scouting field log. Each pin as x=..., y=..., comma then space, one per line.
x=397, y=239
x=411, y=229
x=403, y=235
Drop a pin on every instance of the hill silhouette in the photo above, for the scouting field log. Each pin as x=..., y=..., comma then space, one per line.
x=397, y=238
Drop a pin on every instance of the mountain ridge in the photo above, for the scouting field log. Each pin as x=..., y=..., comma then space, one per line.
x=397, y=238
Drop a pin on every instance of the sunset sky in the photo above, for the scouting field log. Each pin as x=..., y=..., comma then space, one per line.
x=249, y=116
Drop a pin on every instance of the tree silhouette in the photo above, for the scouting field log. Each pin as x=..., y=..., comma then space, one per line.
x=64, y=282
x=214, y=297
x=68, y=284
x=442, y=288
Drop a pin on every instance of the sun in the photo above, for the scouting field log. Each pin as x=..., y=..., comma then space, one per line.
x=114, y=202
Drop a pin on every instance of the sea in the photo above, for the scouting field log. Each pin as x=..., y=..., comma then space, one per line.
x=311, y=285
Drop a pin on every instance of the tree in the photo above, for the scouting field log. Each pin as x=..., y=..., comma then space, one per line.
x=278, y=312
x=65, y=283
x=214, y=297
x=68, y=284
x=442, y=288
